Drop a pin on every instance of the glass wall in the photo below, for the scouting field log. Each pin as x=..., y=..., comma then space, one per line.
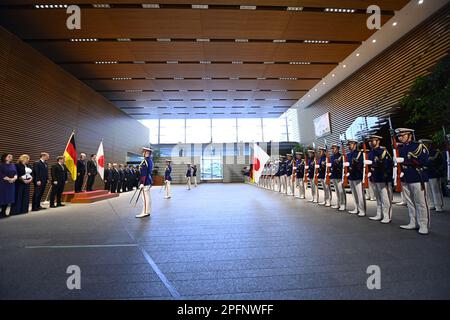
x=224, y=130
x=172, y=131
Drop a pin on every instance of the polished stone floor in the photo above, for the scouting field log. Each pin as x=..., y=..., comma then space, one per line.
x=220, y=241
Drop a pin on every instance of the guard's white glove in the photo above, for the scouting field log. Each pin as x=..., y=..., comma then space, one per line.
x=329, y=174
x=329, y=165
x=367, y=162
x=317, y=166
x=369, y=174
x=399, y=160
x=295, y=168
x=346, y=164
x=347, y=175
x=402, y=174
x=306, y=167
x=141, y=186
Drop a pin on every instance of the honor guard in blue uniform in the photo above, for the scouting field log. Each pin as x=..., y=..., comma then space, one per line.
x=311, y=167
x=355, y=166
x=336, y=162
x=413, y=158
x=299, y=173
x=435, y=170
x=168, y=179
x=145, y=182
x=380, y=175
x=289, y=171
x=282, y=171
x=322, y=177
x=189, y=176
x=277, y=179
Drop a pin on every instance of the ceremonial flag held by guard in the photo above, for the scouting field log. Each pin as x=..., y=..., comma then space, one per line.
x=70, y=154
x=101, y=161
x=260, y=157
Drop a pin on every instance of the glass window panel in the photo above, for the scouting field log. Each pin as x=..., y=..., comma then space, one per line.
x=274, y=129
x=172, y=131
x=198, y=130
x=249, y=130
x=152, y=125
x=224, y=130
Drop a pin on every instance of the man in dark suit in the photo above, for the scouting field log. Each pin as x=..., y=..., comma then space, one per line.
x=108, y=177
x=59, y=178
x=40, y=177
x=132, y=178
x=81, y=172
x=115, y=178
x=121, y=179
x=91, y=171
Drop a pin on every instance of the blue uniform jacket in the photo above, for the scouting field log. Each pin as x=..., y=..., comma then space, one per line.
x=435, y=167
x=189, y=173
x=381, y=167
x=288, y=165
x=416, y=157
x=167, y=173
x=356, y=160
x=300, y=164
x=336, y=166
x=311, y=169
x=323, y=166
x=146, y=172
x=282, y=168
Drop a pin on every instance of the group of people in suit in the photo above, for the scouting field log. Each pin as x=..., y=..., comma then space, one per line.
x=84, y=168
x=415, y=169
x=16, y=179
x=121, y=178
x=191, y=175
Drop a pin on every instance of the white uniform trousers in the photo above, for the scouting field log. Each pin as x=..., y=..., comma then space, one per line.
x=314, y=192
x=358, y=196
x=188, y=180
x=435, y=197
x=416, y=200
x=283, y=184
x=168, y=190
x=289, y=185
x=370, y=192
x=383, y=195
x=277, y=184
x=327, y=192
x=300, y=184
x=146, y=200
x=195, y=181
x=341, y=198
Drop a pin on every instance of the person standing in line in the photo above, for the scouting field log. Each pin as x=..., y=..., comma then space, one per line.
x=8, y=177
x=413, y=158
x=194, y=174
x=40, y=177
x=189, y=176
x=168, y=179
x=380, y=175
x=91, y=172
x=59, y=178
x=289, y=171
x=322, y=171
x=121, y=177
x=81, y=172
x=282, y=171
x=336, y=177
x=22, y=196
x=355, y=166
x=311, y=167
x=115, y=178
x=108, y=177
x=146, y=181
x=299, y=174
x=435, y=173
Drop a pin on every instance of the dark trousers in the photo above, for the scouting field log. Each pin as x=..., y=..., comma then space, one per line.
x=57, y=191
x=124, y=186
x=107, y=185
x=90, y=182
x=113, y=186
x=22, y=199
x=37, y=195
x=79, y=183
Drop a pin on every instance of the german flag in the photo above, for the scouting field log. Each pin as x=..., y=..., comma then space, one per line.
x=71, y=156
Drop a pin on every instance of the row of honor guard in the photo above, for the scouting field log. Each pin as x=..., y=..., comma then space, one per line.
x=411, y=168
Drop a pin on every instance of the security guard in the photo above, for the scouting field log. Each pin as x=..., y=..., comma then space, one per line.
x=322, y=170
x=300, y=172
x=413, y=158
x=189, y=176
x=145, y=182
x=289, y=171
x=336, y=162
x=168, y=179
x=380, y=175
x=282, y=174
x=435, y=173
x=355, y=175
x=311, y=167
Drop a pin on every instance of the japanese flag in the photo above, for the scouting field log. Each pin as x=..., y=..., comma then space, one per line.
x=260, y=157
x=101, y=161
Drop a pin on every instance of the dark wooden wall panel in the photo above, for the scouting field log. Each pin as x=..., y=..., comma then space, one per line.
x=41, y=103
x=377, y=88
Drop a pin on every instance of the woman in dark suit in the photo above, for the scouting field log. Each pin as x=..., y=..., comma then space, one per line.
x=22, y=185
x=8, y=176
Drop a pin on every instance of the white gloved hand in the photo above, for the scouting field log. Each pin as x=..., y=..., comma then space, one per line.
x=402, y=174
x=329, y=165
x=295, y=168
x=141, y=186
x=369, y=174
x=347, y=175
x=346, y=164
x=329, y=174
x=317, y=166
x=306, y=167
x=367, y=162
x=399, y=160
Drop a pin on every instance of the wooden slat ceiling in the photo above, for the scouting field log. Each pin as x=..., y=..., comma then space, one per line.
x=240, y=61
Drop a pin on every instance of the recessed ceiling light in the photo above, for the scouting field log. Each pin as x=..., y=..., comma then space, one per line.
x=150, y=6
x=241, y=40
x=123, y=39
x=199, y=6
x=395, y=24
x=315, y=89
x=420, y=1
x=309, y=96
x=279, y=41
x=294, y=8
x=344, y=66
x=374, y=40
x=163, y=39
x=324, y=83
x=357, y=54
x=101, y=6
x=333, y=75
x=247, y=7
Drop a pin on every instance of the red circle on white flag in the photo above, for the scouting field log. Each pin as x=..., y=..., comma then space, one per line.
x=256, y=164
x=101, y=161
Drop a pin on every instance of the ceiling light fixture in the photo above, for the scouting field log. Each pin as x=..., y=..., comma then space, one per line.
x=150, y=6
x=247, y=7
x=101, y=6
x=199, y=6
x=294, y=8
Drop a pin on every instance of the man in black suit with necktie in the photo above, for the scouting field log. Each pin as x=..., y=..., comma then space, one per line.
x=91, y=171
x=59, y=178
x=81, y=172
x=40, y=177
